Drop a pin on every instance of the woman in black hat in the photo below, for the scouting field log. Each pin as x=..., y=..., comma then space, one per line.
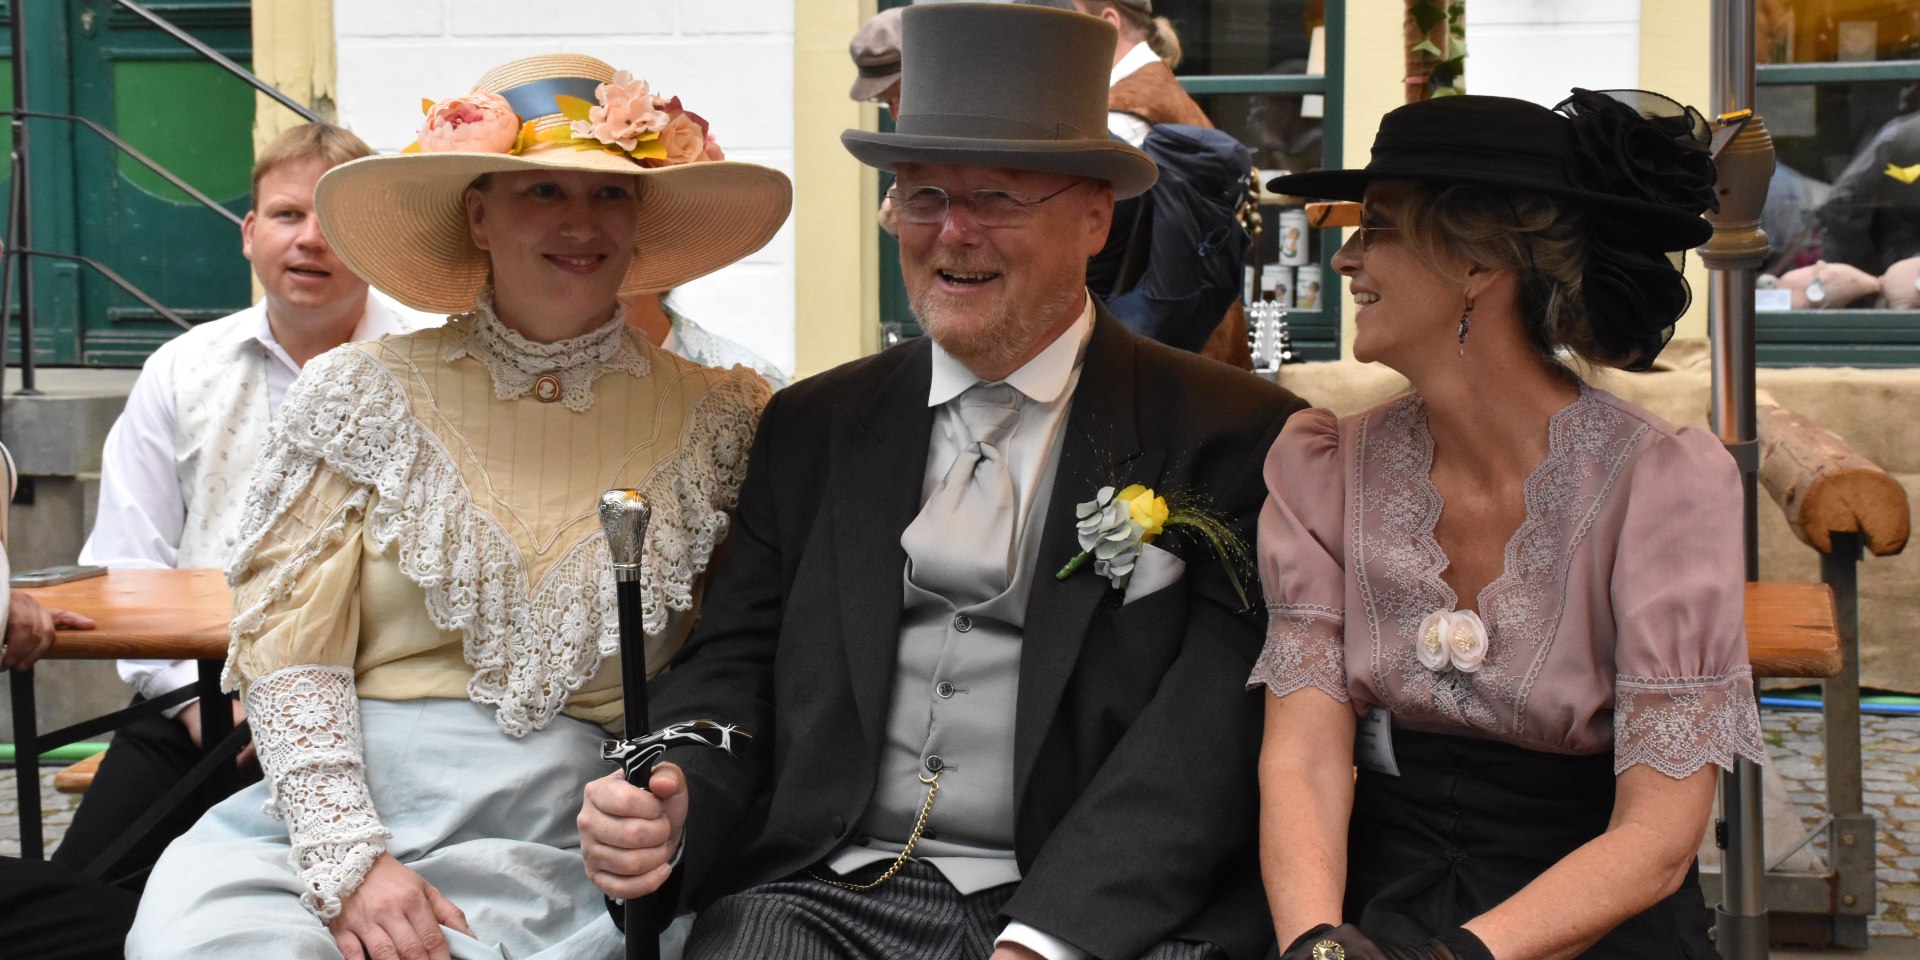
x=1513, y=600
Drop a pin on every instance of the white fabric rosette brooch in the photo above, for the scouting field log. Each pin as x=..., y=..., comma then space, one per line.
x=1452, y=639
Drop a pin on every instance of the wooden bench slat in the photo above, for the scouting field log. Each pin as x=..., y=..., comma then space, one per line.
x=1792, y=630
x=78, y=777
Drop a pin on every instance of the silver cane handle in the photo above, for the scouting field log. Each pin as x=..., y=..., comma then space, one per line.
x=624, y=515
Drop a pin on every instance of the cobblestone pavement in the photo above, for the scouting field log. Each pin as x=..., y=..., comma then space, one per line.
x=1892, y=794
x=56, y=811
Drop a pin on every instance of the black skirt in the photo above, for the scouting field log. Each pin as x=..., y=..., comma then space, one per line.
x=1469, y=822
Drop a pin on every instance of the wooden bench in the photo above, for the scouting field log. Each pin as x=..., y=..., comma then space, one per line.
x=142, y=614
x=77, y=778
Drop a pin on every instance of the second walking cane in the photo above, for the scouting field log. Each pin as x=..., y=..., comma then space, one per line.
x=624, y=515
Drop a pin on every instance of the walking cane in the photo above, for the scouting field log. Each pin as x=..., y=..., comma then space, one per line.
x=624, y=515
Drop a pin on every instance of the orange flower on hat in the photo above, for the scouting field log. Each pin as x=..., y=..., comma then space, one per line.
x=479, y=122
x=627, y=113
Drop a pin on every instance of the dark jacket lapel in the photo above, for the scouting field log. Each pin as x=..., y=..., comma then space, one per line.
x=1101, y=445
x=879, y=462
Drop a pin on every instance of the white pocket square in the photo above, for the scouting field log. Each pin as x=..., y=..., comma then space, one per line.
x=1156, y=570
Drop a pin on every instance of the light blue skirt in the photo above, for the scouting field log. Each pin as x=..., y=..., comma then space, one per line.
x=487, y=819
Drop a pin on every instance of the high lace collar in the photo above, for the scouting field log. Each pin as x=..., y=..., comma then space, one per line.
x=518, y=364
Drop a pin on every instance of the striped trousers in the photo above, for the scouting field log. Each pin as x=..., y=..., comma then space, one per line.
x=917, y=915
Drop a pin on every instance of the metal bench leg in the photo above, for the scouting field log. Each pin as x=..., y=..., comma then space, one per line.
x=26, y=764
x=1850, y=842
x=1740, y=922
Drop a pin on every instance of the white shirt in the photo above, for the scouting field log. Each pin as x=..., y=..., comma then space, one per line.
x=1126, y=126
x=142, y=512
x=1047, y=381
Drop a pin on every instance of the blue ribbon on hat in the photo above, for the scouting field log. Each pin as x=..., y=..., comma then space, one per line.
x=536, y=99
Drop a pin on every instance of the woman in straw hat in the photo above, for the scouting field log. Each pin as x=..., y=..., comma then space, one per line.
x=426, y=632
x=1518, y=596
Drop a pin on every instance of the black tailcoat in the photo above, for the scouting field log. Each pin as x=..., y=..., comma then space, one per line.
x=1136, y=740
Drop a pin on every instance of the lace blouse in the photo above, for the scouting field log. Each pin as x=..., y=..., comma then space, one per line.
x=1617, y=622
x=424, y=524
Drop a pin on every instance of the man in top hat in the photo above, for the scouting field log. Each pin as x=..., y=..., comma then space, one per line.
x=958, y=748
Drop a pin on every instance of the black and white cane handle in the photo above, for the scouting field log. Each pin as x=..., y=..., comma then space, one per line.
x=642, y=753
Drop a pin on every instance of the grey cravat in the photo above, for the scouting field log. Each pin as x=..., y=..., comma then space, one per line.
x=961, y=544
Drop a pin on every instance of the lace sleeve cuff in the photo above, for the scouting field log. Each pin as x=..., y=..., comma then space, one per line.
x=306, y=726
x=1678, y=725
x=1304, y=649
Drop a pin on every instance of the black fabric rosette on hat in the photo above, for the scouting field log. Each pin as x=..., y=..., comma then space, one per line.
x=1642, y=147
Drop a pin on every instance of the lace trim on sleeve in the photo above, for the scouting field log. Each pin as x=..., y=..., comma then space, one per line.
x=532, y=646
x=1679, y=725
x=306, y=727
x=1305, y=648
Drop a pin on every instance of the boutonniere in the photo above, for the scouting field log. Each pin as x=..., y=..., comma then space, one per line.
x=1116, y=525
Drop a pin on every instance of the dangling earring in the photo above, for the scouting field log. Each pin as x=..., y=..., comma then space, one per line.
x=1466, y=322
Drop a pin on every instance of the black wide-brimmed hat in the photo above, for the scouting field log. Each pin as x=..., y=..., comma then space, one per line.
x=1637, y=160
x=1006, y=85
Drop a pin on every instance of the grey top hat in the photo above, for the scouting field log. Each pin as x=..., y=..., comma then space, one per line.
x=876, y=54
x=1006, y=85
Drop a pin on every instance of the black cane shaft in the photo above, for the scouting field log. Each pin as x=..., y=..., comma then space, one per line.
x=641, y=942
x=633, y=666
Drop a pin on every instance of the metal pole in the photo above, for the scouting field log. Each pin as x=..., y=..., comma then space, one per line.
x=1850, y=840
x=26, y=761
x=20, y=216
x=1734, y=253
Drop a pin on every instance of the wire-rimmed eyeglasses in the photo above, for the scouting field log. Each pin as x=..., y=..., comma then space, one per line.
x=1366, y=233
x=928, y=206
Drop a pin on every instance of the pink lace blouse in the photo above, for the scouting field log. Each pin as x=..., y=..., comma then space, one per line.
x=1617, y=622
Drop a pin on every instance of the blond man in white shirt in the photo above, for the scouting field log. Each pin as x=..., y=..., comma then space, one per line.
x=175, y=467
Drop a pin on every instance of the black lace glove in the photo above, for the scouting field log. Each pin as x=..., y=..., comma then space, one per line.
x=1348, y=942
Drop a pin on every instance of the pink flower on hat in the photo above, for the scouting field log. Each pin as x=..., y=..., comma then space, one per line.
x=684, y=138
x=479, y=122
x=627, y=113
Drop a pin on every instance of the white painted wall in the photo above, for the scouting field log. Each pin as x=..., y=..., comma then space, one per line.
x=1539, y=50
x=731, y=61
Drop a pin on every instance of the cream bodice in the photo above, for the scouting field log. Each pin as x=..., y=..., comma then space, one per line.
x=422, y=517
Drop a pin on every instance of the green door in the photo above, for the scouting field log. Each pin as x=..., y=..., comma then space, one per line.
x=93, y=59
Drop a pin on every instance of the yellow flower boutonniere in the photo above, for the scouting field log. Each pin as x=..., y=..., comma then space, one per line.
x=1116, y=525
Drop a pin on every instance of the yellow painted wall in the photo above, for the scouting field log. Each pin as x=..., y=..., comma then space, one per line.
x=1375, y=67
x=836, y=309
x=1676, y=59
x=292, y=50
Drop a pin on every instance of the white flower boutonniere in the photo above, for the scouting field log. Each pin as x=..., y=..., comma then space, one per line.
x=1456, y=639
x=1116, y=525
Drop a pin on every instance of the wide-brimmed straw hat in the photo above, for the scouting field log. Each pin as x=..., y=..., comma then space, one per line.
x=400, y=221
x=1006, y=85
x=1637, y=160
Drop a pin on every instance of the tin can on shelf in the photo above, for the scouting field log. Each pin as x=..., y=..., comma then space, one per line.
x=1293, y=237
x=1307, y=286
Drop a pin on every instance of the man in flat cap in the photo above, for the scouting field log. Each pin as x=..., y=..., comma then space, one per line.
x=876, y=56
x=960, y=748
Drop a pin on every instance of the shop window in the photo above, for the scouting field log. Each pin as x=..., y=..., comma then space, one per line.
x=1838, y=83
